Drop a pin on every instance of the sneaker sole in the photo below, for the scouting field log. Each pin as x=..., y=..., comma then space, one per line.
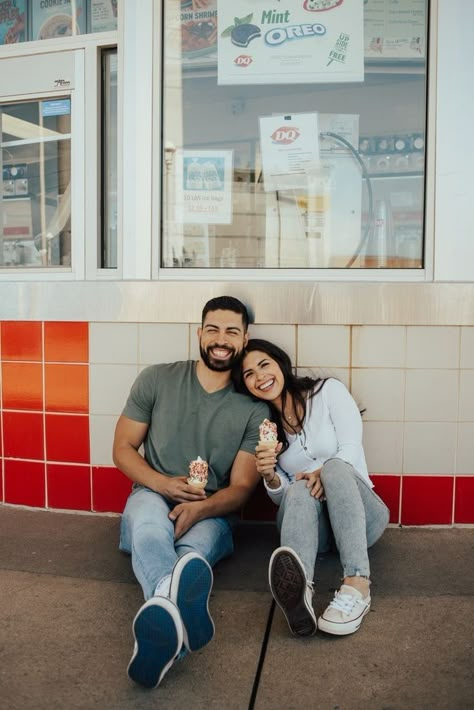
x=343, y=628
x=191, y=584
x=159, y=638
x=288, y=587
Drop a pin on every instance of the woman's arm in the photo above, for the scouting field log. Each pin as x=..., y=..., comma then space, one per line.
x=347, y=421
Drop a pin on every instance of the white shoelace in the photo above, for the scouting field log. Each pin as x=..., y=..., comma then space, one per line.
x=344, y=602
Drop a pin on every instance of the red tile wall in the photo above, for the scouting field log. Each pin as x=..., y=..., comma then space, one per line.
x=45, y=439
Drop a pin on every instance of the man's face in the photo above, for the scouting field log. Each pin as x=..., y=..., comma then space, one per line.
x=221, y=340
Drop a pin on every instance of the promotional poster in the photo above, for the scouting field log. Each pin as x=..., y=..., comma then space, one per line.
x=12, y=21
x=62, y=19
x=204, y=186
x=290, y=42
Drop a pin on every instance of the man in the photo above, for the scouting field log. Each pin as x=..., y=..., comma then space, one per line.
x=175, y=532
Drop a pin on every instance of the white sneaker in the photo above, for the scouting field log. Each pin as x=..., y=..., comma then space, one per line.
x=345, y=613
x=292, y=591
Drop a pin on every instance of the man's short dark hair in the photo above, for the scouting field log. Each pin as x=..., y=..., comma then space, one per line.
x=226, y=303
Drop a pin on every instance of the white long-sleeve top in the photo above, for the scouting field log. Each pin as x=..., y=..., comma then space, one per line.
x=332, y=429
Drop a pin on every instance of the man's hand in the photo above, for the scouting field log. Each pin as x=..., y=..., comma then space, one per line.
x=176, y=490
x=314, y=483
x=184, y=516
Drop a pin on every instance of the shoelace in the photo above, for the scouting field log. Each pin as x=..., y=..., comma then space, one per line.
x=344, y=602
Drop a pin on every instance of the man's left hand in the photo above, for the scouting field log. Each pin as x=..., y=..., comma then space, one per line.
x=184, y=516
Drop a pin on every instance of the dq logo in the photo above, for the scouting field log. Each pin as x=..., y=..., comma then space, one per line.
x=243, y=60
x=285, y=135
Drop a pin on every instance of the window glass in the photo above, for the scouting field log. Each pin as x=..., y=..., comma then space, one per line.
x=24, y=20
x=294, y=134
x=108, y=257
x=35, y=201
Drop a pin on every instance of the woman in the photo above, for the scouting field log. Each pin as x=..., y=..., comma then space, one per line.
x=318, y=477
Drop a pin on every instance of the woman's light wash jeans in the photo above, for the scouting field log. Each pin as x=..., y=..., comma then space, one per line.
x=147, y=534
x=352, y=512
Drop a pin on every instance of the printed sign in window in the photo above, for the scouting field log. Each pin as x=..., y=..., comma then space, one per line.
x=290, y=41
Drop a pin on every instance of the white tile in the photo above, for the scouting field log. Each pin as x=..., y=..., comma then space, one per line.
x=466, y=396
x=162, y=342
x=378, y=346
x=194, y=341
x=465, y=453
x=282, y=335
x=467, y=348
x=383, y=446
x=340, y=373
x=113, y=342
x=109, y=387
x=380, y=392
x=102, y=430
x=323, y=346
x=432, y=395
x=432, y=346
x=429, y=447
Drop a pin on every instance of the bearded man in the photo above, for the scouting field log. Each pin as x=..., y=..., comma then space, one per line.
x=175, y=532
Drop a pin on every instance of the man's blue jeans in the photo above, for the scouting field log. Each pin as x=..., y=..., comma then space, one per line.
x=148, y=535
x=352, y=513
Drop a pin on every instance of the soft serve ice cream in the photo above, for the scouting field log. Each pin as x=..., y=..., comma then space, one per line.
x=198, y=473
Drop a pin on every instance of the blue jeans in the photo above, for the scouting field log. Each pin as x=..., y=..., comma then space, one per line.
x=352, y=513
x=147, y=534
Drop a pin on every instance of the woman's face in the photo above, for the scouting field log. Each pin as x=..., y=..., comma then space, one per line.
x=262, y=376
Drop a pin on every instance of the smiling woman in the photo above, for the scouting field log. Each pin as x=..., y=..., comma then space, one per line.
x=318, y=477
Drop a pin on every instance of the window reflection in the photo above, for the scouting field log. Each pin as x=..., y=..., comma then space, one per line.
x=362, y=202
x=35, y=204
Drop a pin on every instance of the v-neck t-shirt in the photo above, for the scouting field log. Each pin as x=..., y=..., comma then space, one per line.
x=185, y=421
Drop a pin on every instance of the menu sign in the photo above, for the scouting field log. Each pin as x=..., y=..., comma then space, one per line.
x=12, y=21
x=290, y=147
x=290, y=42
x=395, y=30
x=103, y=15
x=204, y=186
x=60, y=18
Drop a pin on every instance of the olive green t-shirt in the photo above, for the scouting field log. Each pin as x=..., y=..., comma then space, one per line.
x=185, y=421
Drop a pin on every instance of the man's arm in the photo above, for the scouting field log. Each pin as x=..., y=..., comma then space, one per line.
x=129, y=436
x=243, y=479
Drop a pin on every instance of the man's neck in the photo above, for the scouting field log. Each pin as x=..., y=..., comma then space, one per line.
x=210, y=380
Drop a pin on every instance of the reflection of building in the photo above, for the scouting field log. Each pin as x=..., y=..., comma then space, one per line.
x=89, y=303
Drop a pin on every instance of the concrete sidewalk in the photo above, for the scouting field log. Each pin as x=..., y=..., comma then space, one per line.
x=69, y=598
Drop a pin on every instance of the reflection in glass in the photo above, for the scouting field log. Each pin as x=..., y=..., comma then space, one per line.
x=361, y=205
x=108, y=256
x=35, y=201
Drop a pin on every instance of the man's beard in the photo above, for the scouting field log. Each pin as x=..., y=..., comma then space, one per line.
x=219, y=365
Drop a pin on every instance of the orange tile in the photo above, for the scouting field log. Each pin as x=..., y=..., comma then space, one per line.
x=22, y=385
x=22, y=340
x=67, y=388
x=66, y=342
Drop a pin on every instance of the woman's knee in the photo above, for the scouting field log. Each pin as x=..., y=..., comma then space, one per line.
x=336, y=470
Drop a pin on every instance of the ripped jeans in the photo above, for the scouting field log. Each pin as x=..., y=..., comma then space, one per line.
x=147, y=534
x=352, y=513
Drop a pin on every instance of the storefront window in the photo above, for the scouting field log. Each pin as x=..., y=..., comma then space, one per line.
x=26, y=20
x=109, y=160
x=294, y=134
x=35, y=202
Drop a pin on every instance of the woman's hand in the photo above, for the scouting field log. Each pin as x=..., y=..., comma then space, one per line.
x=265, y=459
x=314, y=484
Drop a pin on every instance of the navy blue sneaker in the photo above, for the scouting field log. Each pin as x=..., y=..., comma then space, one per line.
x=158, y=632
x=191, y=584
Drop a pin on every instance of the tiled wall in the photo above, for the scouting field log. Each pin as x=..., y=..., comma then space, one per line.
x=63, y=386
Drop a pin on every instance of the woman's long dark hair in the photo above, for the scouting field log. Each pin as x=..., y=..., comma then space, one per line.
x=299, y=388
